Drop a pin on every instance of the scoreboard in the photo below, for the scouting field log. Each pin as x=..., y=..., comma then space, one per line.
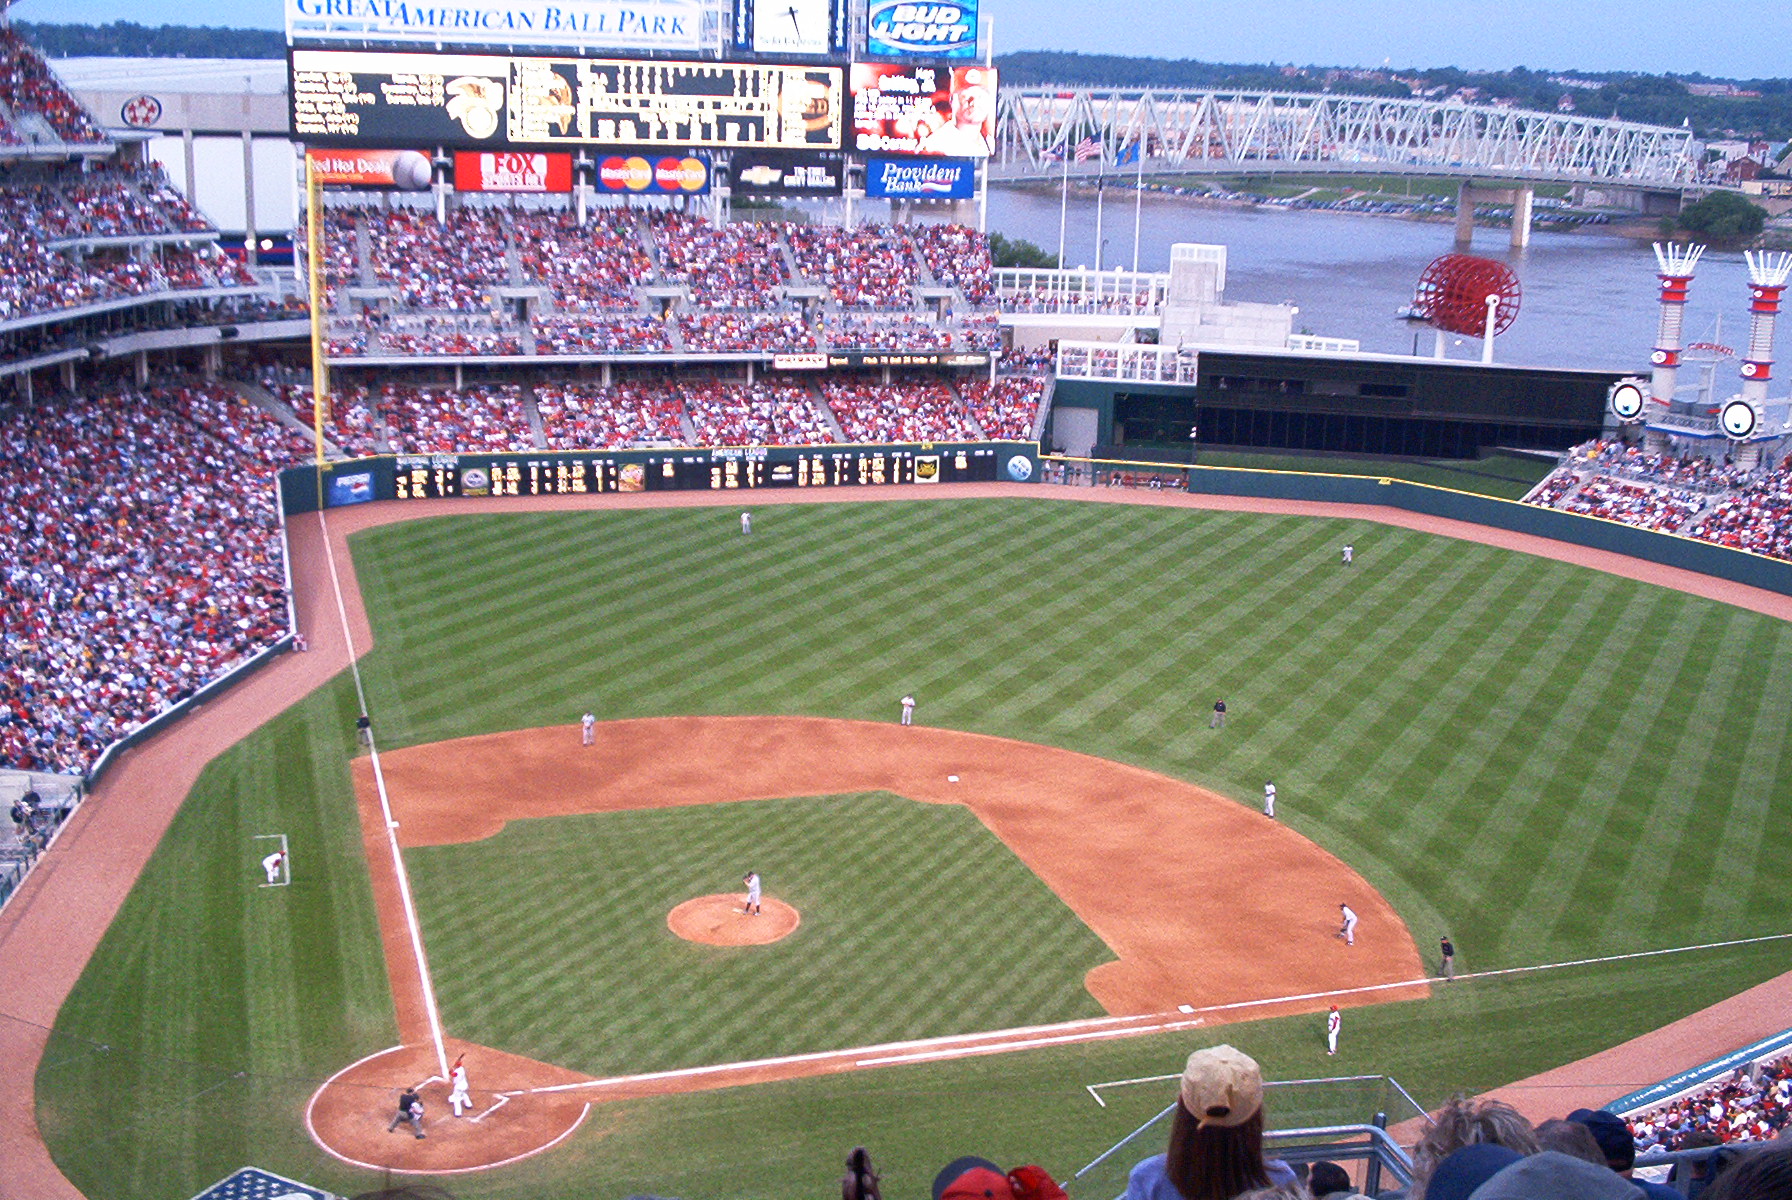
x=437, y=476
x=496, y=102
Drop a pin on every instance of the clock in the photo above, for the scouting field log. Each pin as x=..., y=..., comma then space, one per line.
x=1738, y=419
x=1626, y=401
x=793, y=26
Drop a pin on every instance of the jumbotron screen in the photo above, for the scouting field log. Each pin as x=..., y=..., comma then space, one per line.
x=495, y=102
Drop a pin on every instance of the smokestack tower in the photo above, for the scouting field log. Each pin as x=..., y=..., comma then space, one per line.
x=1767, y=281
x=1677, y=263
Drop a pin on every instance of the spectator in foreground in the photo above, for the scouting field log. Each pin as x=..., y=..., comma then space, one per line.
x=1756, y=1175
x=1552, y=1176
x=1464, y=1170
x=860, y=1181
x=1571, y=1138
x=1619, y=1148
x=1329, y=1179
x=1468, y=1122
x=1216, y=1135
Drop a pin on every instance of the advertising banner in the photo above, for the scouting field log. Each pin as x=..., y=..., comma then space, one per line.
x=756, y=174
x=904, y=29
x=787, y=26
x=604, y=24
x=920, y=178
x=935, y=111
x=654, y=175
x=497, y=102
x=406, y=170
x=512, y=171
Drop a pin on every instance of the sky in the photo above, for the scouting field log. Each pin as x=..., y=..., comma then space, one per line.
x=1725, y=38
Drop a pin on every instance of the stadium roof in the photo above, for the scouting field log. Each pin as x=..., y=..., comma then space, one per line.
x=223, y=76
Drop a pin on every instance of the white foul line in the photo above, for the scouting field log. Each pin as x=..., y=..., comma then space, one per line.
x=379, y=783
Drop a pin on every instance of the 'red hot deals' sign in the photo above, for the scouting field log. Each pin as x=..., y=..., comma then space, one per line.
x=655, y=175
x=407, y=170
x=511, y=171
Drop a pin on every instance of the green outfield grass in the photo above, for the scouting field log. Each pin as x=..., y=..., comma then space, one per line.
x=1546, y=762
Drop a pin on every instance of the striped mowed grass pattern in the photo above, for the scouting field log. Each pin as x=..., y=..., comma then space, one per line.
x=1546, y=762
x=550, y=939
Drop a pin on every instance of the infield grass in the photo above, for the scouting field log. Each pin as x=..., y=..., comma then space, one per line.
x=1545, y=762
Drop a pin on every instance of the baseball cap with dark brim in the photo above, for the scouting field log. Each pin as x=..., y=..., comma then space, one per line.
x=1612, y=1134
x=1559, y=1177
x=971, y=1178
x=1467, y=1169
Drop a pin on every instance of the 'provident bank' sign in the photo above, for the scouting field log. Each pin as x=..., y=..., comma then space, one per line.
x=619, y=24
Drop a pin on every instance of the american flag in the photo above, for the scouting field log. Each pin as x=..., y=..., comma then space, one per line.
x=1087, y=149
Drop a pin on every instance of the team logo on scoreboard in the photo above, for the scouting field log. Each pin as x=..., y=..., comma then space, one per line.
x=1020, y=468
x=927, y=468
x=475, y=481
x=475, y=102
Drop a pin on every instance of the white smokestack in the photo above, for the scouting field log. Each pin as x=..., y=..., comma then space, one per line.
x=1767, y=280
x=1676, y=263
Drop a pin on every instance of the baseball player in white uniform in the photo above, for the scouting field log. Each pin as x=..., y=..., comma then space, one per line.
x=752, y=882
x=458, y=1094
x=1269, y=799
x=1349, y=554
x=1347, y=930
x=908, y=710
x=272, y=864
x=1334, y=1021
x=746, y=523
x=588, y=728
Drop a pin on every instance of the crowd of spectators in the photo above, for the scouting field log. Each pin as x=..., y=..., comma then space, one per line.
x=575, y=334
x=958, y=256
x=352, y=425
x=27, y=85
x=1697, y=497
x=443, y=420
x=590, y=269
x=576, y=416
x=893, y=331
x=739, y=265
x=1006, y=408
x=783, y=331
x=870, y=266
x=909, y=409
x=455, y=264
x=1752, y=1104
x=765, y=413
x=139, y=557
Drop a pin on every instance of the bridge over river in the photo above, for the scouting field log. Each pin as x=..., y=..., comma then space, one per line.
x=1050, y=132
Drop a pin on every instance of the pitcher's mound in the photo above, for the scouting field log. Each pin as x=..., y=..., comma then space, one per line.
x=719, y=921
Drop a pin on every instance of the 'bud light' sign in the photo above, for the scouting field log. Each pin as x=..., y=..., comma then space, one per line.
x=921, y=179
x=905, y=28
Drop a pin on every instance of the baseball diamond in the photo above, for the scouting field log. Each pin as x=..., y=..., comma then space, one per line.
x=1445, y=712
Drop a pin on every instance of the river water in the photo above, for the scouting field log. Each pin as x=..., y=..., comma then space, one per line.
x=1590, y=299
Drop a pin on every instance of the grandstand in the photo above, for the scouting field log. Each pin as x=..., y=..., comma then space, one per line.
x=144, y=548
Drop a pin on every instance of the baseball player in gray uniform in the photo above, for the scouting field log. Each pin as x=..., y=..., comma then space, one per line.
x=1269, y=799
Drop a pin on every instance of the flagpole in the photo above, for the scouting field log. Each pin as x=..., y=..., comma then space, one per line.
x=1138, y=198
x=1100, y=190
x=1064, y=196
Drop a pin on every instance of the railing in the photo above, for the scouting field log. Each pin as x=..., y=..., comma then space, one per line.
x=1126, y=362
x=1080, y=290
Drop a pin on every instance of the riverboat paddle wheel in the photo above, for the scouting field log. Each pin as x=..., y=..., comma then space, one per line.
x=1457, y=294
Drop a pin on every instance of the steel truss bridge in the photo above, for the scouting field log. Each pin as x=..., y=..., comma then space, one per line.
x=1046, y=131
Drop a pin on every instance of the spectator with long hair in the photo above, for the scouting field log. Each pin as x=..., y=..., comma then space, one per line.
x=1216, y=1135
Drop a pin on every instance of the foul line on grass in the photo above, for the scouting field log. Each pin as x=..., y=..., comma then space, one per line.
x=1095, y=1029
x=379, y=783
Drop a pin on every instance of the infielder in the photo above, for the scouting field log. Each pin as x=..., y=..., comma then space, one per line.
x=588, y=728
x=752, y=881
x=746, y=523
x=1334, y=1021
x=1269, y=799
x=1347, y=930
x=908, y=710
x=458, y=1095
x=1449, y=957
x=272, y=864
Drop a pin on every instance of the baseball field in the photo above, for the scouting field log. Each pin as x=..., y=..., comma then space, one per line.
x=1550, y=763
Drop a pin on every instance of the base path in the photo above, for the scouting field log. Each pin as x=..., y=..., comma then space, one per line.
x=50, y=928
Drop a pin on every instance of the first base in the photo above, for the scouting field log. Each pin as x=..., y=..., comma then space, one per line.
x=391, y=824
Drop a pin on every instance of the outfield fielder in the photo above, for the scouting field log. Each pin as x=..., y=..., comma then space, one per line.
x=272, y=864
x=1334, y=1021
x=908, y=710
x=752, y=906
x=1347, y=931
x=746, y=523
x=458, y=1095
